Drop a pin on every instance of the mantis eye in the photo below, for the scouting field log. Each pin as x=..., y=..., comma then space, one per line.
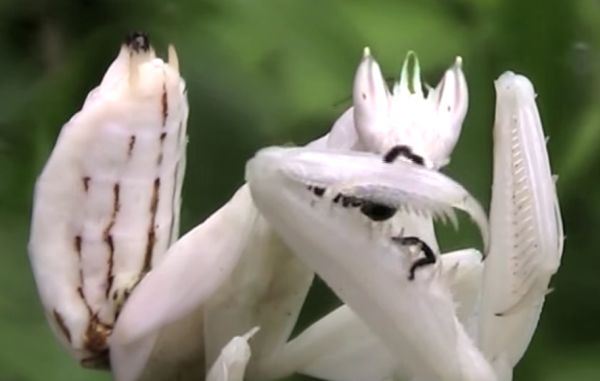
x=106, y=205
x=376, y=211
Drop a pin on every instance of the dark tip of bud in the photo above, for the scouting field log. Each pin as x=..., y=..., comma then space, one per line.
x=138, y=42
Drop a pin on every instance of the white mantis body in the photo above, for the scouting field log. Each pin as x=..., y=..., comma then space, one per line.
x=361, y=220
x=526, y=240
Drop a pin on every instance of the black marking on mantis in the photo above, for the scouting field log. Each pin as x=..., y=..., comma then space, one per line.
x=416, y=241
x=318, y=191
x=351, y=201
x=60, y=321
x=337, y=198
x=375, y=211
x=151, y=229
x=404, y=151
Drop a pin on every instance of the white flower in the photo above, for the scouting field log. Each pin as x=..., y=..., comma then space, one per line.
x=106, y=205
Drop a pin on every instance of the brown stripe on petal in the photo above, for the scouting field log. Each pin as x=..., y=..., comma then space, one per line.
x=164, y=104
x=61, y=324
x=116, y=197
x=86, y=183
x=82, y=296
x=111, y=245
x=131, y=145
x=111, y=260
x=149, y=251
x=151, y=229
x=154, y=200
x=77, y=245
x=159, y=159
x=108, y=238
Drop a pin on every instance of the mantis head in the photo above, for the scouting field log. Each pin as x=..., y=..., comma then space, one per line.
x=422, y=129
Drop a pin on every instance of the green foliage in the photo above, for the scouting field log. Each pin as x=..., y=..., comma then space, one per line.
x=278, y=71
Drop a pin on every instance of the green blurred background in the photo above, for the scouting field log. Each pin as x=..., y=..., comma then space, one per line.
x=278, y=71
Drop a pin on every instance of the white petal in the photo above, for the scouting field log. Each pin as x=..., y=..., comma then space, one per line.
x=231, y=363
x=343, y=134
x=415, y=319
x=451, y=100
x=106, y=205
x=371, y=103
x=526, y=227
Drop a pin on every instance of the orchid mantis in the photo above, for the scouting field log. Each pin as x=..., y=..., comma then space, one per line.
x=356, y=207
x=367, y=269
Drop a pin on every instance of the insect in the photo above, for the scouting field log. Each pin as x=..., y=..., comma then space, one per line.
x=334, y=207
x=370, y=275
